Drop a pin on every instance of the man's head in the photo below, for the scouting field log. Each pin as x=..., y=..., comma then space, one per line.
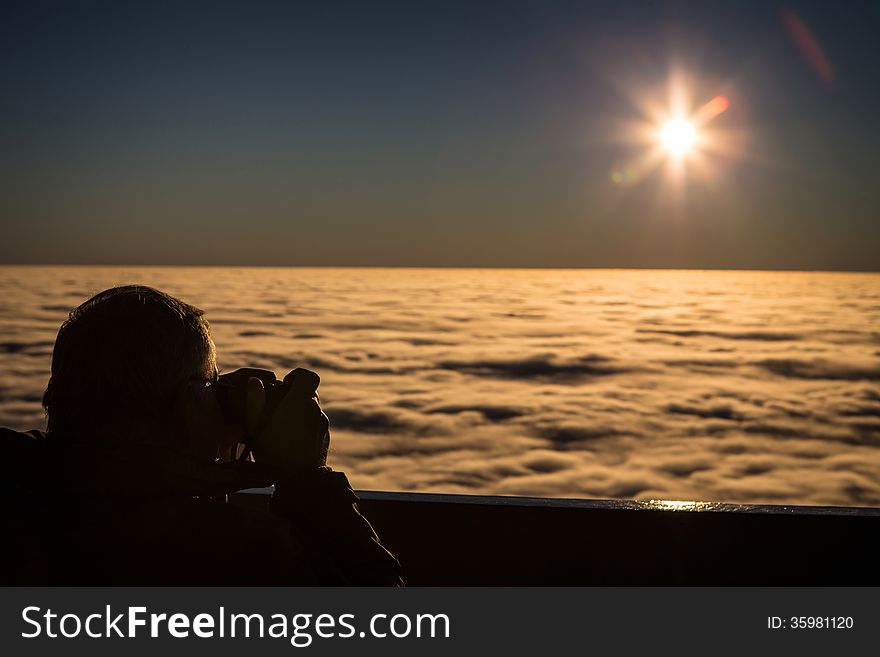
x=121, y=361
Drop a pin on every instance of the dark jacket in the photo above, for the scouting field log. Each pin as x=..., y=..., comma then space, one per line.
x=82, y=512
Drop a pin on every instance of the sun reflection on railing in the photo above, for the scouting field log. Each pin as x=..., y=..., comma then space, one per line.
x=680, y=505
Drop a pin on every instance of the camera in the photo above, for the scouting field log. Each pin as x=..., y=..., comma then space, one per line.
x=231, y=393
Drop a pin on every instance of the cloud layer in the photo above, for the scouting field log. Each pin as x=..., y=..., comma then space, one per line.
x=727, y=386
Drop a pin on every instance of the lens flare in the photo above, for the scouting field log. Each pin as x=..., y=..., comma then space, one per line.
x=710, y=110
x=809, y=47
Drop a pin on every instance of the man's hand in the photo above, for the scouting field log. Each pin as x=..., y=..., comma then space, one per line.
x=296, y=437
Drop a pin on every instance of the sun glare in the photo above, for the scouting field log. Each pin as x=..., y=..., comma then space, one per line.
x=678, y=136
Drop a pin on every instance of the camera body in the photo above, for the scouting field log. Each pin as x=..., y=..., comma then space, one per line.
x=231, y=393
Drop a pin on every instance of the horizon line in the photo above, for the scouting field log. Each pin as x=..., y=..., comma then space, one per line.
x=499, y=267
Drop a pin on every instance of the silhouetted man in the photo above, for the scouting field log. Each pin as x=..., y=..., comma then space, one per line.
x=128, y=485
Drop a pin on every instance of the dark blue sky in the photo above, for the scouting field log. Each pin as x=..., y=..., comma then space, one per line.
x=432, y=133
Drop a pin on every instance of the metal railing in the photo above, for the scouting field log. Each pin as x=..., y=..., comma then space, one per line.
x=466, y=540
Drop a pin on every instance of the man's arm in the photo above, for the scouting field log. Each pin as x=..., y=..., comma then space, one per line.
x=339, y=544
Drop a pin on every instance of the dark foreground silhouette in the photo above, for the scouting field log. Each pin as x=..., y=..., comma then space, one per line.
x=81, y=513
x=129, y=484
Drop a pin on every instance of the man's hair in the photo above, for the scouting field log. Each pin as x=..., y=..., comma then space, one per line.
x=120, y=360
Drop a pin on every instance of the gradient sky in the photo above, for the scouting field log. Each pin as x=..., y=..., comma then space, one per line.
x=433, y=134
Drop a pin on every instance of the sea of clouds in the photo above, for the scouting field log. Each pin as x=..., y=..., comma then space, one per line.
x=698, y=385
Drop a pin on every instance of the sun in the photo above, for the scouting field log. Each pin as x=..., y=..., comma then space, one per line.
x=678, y=136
